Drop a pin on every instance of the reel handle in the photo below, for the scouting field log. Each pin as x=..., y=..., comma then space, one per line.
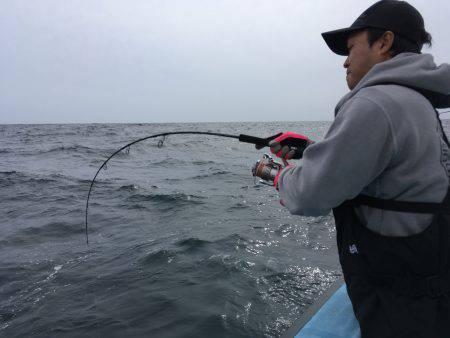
x=259, y=142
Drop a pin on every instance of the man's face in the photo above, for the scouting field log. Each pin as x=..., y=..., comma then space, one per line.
x=361, y=58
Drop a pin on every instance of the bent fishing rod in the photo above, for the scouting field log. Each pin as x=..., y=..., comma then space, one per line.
x=257, y=141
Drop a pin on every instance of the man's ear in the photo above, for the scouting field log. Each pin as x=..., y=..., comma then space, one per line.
x=385, y=43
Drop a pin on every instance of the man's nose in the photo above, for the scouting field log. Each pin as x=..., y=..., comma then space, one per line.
x=346, y=64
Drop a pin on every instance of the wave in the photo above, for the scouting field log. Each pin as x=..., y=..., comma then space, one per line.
x=211, y=174
x=175, y=199
x=169, y=161
x=226, y=245
x=9, y=173
x=208, y=258
x=34, y=235
x=8, y=178
x=203, y=162
x=128, y=187
x=157, y=258
x=192, y=243
x=12, y=178
x=297, y=286
x=238, y=206
x=70, y=149
x=178, y=161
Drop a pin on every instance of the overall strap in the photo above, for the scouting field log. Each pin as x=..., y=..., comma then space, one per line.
x=437, y=100
x=402, y=206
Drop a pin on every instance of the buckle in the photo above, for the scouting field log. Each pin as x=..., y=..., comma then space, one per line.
x=433, y=286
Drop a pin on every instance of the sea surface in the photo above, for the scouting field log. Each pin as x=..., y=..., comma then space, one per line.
x=183, y=242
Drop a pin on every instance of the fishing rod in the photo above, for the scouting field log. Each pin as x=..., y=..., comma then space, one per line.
x=257, y=141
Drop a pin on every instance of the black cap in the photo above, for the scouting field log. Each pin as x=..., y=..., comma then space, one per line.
x=396, y=16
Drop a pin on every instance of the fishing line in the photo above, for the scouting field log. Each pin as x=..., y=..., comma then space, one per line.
x=259, y=142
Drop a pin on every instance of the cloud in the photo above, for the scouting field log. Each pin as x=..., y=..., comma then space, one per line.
x=170, y=61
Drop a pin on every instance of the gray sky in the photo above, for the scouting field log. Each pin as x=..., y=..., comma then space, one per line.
x=179, y=60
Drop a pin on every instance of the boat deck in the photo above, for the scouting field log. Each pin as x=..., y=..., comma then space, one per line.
x=330, y=317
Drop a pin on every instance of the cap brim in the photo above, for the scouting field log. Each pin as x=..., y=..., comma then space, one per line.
x=337, y=39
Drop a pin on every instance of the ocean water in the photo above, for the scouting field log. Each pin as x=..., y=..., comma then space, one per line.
x=182, y=241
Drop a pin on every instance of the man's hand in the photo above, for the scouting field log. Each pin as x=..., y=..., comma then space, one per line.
x=289, y=145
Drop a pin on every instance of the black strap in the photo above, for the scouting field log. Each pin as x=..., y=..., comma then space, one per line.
x=402, y=206
x=437, y=100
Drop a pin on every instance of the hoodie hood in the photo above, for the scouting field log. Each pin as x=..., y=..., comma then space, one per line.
x=416, y=71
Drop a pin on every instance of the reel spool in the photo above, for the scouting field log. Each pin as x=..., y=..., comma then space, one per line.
x=266, y=169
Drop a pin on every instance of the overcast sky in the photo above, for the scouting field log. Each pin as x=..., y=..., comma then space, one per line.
x=179, y=60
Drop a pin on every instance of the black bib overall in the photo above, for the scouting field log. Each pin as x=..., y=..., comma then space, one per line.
x=398, y=286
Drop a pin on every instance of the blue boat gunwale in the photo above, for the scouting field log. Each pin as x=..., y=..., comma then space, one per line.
x=312, y=310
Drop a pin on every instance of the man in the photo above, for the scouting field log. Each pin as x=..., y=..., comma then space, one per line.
x=384, y=167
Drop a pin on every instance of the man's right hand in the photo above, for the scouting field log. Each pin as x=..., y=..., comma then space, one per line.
x=289, y=145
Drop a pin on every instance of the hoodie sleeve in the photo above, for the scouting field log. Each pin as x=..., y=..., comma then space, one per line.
x=357, y=148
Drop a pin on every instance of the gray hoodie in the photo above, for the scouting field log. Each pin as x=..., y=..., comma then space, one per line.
x=385, y=142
